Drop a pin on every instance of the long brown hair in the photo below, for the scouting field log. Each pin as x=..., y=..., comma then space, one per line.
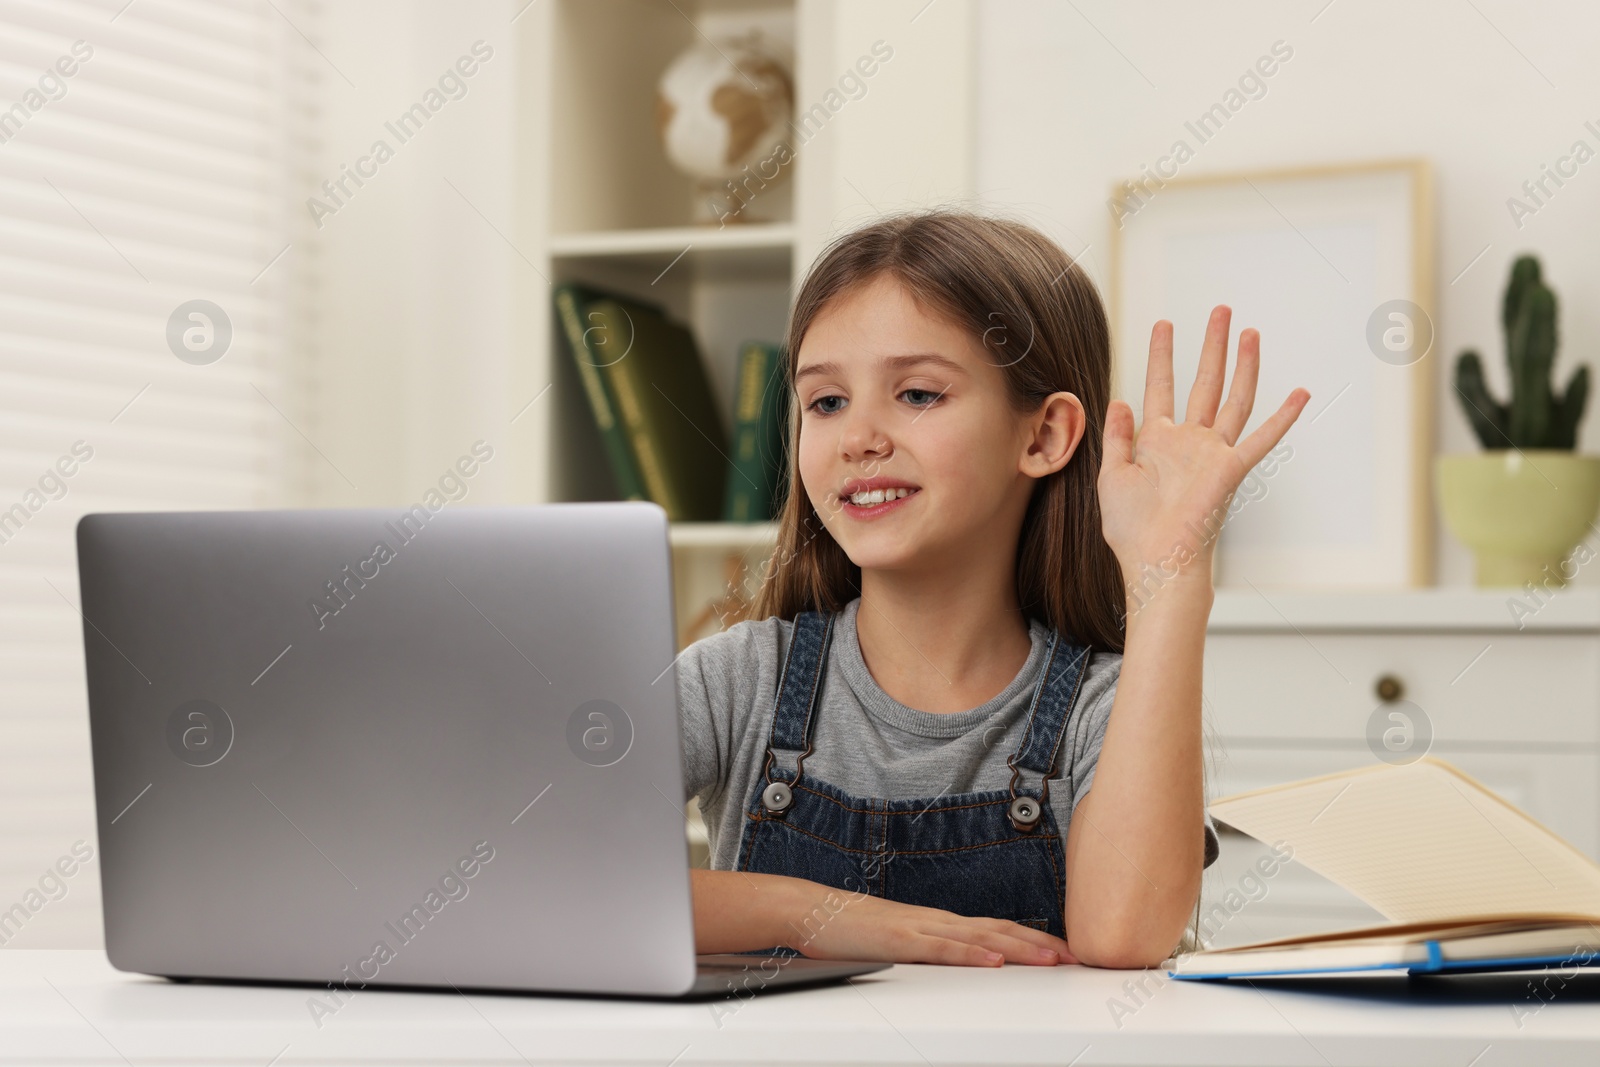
x=1035, y=310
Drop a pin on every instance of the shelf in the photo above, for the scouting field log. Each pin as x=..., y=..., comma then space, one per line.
x=607, y=169
x=672, y=239
x=728, y=535
x=763, y=247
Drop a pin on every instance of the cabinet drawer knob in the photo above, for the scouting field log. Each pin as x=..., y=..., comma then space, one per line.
x=1389, y=688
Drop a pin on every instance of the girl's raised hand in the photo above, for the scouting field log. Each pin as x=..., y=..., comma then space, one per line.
x=1163, y=498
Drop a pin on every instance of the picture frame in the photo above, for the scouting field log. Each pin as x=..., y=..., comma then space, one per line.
x=1334, y=266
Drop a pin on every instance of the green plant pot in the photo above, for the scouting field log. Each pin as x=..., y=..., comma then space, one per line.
x=1521, y=513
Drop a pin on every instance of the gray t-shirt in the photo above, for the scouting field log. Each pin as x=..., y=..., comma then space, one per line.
x=866, y=742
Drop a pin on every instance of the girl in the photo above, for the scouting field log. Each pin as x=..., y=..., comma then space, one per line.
x=984, y=600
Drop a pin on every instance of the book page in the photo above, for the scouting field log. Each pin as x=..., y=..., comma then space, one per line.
x=1408, y=933
x=1419, y=843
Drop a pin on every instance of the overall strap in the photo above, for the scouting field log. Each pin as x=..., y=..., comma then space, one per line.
x=797, y=689
x=1053, y=698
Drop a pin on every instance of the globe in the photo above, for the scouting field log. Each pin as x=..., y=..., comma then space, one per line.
x=719, y=109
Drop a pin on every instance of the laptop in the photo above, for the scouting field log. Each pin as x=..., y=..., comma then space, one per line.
x=389, y=747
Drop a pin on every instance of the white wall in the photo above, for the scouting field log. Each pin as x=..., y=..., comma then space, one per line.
x=414, y=340
x=906, y=141
x=1071, y=98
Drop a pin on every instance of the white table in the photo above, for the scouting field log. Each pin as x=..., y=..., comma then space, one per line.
x=60, y=1006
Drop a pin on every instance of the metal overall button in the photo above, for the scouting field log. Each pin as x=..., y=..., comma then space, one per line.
x=1024, y=813
x=777, y=797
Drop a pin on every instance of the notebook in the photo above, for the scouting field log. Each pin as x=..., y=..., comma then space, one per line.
x=1466, y=880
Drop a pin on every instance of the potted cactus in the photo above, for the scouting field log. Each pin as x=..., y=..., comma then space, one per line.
x=1526, y=502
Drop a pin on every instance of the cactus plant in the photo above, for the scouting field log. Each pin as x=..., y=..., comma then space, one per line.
x=1535, y=417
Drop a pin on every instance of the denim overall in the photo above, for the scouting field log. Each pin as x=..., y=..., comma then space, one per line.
x=996, y=853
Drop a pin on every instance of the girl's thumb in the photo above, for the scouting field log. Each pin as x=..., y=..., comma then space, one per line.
x=1119, y=433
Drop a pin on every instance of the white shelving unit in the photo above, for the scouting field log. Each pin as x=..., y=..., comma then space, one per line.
x=603, y=205
x=775, y=239
x=687, y=535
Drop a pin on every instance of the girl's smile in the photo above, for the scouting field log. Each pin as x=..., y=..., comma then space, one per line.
x=869, y=498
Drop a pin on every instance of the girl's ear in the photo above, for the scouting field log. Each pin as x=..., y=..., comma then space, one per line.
x=1054, y=432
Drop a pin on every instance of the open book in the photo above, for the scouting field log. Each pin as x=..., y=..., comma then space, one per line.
x=1467, y=881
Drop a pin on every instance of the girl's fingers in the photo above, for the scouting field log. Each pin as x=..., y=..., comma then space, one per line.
x=1158, y=373
x=1242, y=394
x=1118, y=437
x=1261, y=441
x=1038, y=938
x=1207, y=390
x=1018, y=950
x=932, y=935
x=932, y=948
x=1020, y=944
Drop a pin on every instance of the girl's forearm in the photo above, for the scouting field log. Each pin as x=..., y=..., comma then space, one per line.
x=1135, y=848
x=736, y=911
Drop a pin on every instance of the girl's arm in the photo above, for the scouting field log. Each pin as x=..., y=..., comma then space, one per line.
x=1136, y=841
x=737, y=911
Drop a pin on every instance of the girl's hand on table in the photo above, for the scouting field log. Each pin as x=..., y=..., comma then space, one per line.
x=871, y=928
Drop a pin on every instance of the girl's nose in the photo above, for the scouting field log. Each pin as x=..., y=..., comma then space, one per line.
x=861, y=441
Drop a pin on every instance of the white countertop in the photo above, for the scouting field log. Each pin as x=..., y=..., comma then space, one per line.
x=70, y=1006
x=1436, y=608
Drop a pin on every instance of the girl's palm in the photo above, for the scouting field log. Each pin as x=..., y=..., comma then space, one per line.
x=1171, y=493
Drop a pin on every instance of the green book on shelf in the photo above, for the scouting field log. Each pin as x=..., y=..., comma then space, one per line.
x=586, y=347
x=760, y=411
x=664, y=403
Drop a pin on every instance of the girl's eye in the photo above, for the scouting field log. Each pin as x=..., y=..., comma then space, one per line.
x=916, y=397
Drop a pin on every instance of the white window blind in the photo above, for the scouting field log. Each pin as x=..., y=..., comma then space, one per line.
x=162, y=170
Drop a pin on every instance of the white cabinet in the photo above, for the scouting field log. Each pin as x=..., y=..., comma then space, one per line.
x=1303, y=684
x=1536, y=689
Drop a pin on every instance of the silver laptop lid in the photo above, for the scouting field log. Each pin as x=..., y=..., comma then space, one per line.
x=390, y=747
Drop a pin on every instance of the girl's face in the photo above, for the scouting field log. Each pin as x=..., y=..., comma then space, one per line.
x=904, y=404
